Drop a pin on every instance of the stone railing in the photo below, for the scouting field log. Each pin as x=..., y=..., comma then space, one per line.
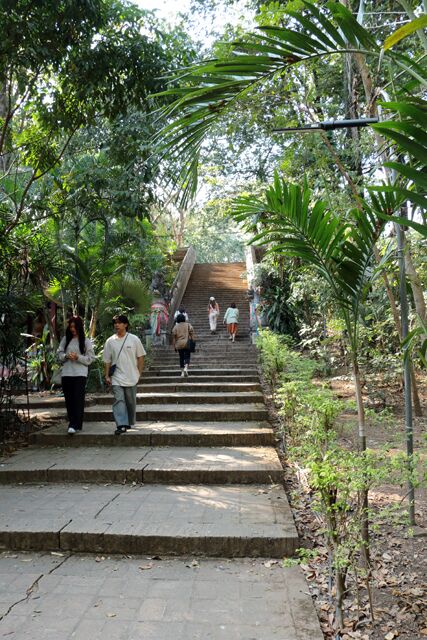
x=180, y=283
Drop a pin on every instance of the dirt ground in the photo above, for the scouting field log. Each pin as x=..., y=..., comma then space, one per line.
x=398, y=582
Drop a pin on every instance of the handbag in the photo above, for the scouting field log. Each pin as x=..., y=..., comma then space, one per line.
x=113, y=367
x=191, y=345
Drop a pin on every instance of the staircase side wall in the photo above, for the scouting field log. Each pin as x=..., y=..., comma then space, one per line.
x=180, y=283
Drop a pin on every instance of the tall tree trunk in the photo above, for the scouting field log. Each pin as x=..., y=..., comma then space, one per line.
x=395, y=313
x=363, y=495
x=5, y=115
x=416, y=286
x=93, y=321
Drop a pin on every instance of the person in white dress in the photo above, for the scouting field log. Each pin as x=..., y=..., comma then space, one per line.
x=213, y=313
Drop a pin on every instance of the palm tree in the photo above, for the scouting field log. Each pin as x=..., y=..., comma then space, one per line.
x=294, y=224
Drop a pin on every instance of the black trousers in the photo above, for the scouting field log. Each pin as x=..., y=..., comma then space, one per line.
x=74, y=389
x=184, y=357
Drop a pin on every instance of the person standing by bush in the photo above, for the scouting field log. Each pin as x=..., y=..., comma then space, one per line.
x=124, y=363
x=181, y=334
x=75, y=352
x=213, y=313
x=232, y=319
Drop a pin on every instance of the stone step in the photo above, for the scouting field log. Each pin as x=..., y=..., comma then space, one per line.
x=163, y=394
x=194, y=364
x=166, y=362
x=190, y=397
x=199, y=371
x=196, y=379
x=179, y=465
x=211, y=347
x=189, y=385
x=216, y=355
x=185, y=412
x=214, y=520
x=161, y=434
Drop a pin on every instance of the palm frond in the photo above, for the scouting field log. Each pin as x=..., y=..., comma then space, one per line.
x=292, y=223
x=209, y=89
x=408, y=134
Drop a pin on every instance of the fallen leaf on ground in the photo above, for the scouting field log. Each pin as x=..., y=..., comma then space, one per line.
x=111, y=615
x=144, y=567
x=391, y=635
x=270, y=563
x=193, y=563
x=99, y=558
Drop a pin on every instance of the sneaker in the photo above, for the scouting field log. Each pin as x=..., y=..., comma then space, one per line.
x=71, y=430
x=182, y=373
x=120, y=429
x=185, y=372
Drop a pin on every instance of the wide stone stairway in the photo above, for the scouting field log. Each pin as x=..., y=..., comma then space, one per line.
x=198, y=477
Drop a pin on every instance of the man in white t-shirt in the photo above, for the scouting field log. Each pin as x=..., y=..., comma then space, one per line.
x=124, y=350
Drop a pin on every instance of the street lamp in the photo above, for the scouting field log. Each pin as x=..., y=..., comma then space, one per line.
x=330, y=125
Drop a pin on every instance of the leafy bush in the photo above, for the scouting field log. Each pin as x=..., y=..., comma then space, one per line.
x=336, y=477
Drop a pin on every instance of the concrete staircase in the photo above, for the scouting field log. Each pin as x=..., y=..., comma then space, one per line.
x=198, y=475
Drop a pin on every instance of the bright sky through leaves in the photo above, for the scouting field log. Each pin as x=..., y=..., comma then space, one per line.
x=167, y=9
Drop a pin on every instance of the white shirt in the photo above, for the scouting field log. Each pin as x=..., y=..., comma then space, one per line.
x=126, y=373
x=180, y=313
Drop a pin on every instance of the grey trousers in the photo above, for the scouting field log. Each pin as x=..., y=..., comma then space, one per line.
x=124, y=405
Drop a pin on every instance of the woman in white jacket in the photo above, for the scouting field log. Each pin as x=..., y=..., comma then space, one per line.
x=76, y=353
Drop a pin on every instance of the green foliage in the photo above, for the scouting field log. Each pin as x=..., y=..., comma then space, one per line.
x=214, y=237
x=415, y=343
x=42, y=361
x=215, y=87
x=407, y=132
x=274, y=284
x=335, y=476
x=272, y=354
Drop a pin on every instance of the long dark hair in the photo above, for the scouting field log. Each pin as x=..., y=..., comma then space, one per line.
x=212, y=303
x=78, y=323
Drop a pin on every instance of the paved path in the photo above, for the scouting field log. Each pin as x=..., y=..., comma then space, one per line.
x=46, y=597
x=198, y=479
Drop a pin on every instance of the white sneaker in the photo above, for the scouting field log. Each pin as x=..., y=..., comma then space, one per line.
x=71, y=430
x=182, y=373
x=185, y=373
